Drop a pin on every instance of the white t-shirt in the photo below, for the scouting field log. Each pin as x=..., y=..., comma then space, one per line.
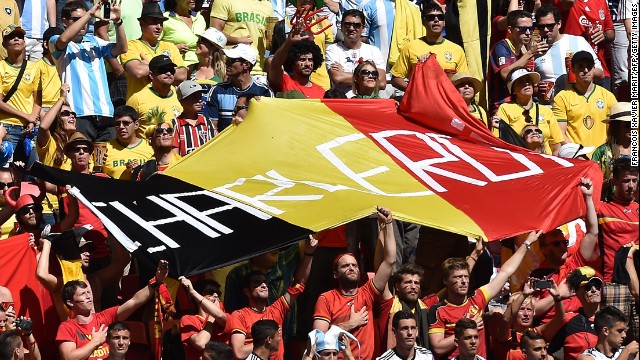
x=596, y=354
x=348, y=58
x=420, y=353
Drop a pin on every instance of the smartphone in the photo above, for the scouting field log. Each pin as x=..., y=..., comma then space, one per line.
x=106, y=8
x=542, y=284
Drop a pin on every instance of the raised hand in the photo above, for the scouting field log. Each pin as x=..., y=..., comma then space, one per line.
x=586, y=186
x=162, y=271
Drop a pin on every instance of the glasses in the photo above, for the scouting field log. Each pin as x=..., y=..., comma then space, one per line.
x=527, y=116
x=161, y=130
x=6, y=185
x=524, y=29
x=230, y=61
x=530, y=131
x=13, y=36
x=348, y=24
x=374, y=74
x=164, y=70
x=67, y=113
x=590, y=285
x=466, y=83
x=239, y=108
x=433, y=17
x=122, y=123
x=548, y=27
x=77, y=149
x=74, y=18
x=27, y=209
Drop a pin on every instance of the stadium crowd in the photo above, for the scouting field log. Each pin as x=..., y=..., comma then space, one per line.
x=125, y=89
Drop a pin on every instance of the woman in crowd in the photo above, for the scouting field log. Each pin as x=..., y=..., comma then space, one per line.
x=468, y=86
x=211, y=68
x=182, y=28
x=58, y=124
x=618, y=144
x=532, y=136
x=366, y=84
x=522, y=110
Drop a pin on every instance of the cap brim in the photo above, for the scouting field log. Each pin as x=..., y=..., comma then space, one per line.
x=16, y=30
x=591, y=280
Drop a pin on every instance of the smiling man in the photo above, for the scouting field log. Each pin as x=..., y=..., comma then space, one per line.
x=127, y=150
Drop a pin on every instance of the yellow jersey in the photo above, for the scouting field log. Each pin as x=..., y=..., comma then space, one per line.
x=513, y=114
x=10, y=16
x=23, y=99
x=49, y=82
x=118, y=156
x=450, y=56
x=150, y=106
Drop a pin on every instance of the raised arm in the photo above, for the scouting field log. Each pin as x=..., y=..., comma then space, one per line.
x=591, y=237
x=472, y=259
x=49, y=281
x=72, y=31
x=504, y=327
x=212, y=307
x=381, y=278
x=121, y=36
x=143, y=295
x=302, y=273
x=276, y=72
x=47, y=120
x=73, y=211
x=549, y=330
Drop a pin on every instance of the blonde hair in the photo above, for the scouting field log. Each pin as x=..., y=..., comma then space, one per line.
x=356, y=76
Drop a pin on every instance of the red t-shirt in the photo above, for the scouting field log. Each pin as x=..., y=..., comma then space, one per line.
x=193, y=324
x=312, y=92
x=80, y=334
x=443, y=317
x=585, y=13
x=578, y=334
x=618, y=226
x=243, y=319
x=335, y=308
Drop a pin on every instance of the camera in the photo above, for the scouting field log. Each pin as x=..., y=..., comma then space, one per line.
x=23, y=324
x=542, y=284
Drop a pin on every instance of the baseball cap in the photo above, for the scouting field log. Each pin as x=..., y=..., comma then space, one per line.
x=12, y=29
x=522, y=72
x=188, y=87
x=582, y=55
x=572, y=151
x=587, y=275
x=241, y=51
x=160, y=61
x=215, y=36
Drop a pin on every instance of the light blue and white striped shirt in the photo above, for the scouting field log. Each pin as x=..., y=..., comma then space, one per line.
x=379, y=16
x=81, y=66
x=34, y=18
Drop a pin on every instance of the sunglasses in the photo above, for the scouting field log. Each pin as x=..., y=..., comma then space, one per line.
x=557, y=243
x=161, y=130
x=13, y=36
x=122, y=123
x=433, y=17
x=67, y=113
x=77, y=149
x=590, y=285
x=348, y=24
x=239, y=108
x=524, y=29
x=374, y=74
x=74, y=18
x=164, y=70
x=6, y=185
x=466, y=83
x=27, y=209
x=530, y=131
x=527, y=116
x=230, y=61
x=548, y=27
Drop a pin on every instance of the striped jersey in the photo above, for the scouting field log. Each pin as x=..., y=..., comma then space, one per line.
x=81, y=66
x=34, y=18
x=222, y=98
x=597, y=355
x=187, y=137
x=379, y=16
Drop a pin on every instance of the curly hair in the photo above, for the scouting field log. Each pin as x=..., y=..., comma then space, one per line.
x=300, y=48
x=356, y=76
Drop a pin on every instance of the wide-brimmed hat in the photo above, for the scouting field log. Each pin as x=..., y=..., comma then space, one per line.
x=464, y=77
x=78, y=139
x=619, y=112
x=520, y=73
x=573, y=151
x=215, y=36
x=152, y=10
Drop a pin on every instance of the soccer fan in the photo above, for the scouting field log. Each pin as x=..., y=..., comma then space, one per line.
x=469, y=86
x=551, y=65
x=467, y=340
x=300, y=57
x=192, y=129
x=161, y=141
x=518, y=49
x=350, y=306
x=581, y=107
x=534, y=346
x=217, y=351
x=49, y=79
x=267, y=336
x=343, y=57
x=12, y=346
x=405, y=331
x=257, y=291
x=611, y=327
x=222, y=98
x=127, y=150
x=118, y=339
x=141, y=51
x=84, y=336
x=210, y=324
x=10, y=16
x=36, y=17
x=89, y=94
x=450, y=56
x=157, y=102
x=618, y=221
x=459, y=303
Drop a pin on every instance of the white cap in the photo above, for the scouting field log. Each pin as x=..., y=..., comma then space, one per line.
x=242, y=51
x=517, y=74
x=215, y=36
x=572, y=151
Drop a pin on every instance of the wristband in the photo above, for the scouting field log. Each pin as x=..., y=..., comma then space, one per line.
x=118, y=24
x=296, y=289
x=154, y=283
x=527, y=245
x=557, y=299
x=472, y=258
x=62, y=98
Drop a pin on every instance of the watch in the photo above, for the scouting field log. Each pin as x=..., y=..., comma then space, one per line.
x=118, y=23
x=527, y=245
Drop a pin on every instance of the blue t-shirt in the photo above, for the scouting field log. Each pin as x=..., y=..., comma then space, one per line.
x=222, y=98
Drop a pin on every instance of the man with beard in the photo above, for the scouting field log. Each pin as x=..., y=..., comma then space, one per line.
x=467, y=340
x=460, y=304
x=119, y=339
x=257, y=292
x=450, y=56
x=300, y=57
x=350, y=306
x=405, y=332
x=581, y=107
x=618, y=221
x=161, y=141
x=611, y=326
x=127, y=150
x=534, y=346
x=192, y=129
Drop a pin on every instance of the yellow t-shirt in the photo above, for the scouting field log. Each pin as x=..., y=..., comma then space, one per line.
x=23, y=99
x=320, y=77
x=150, y=105
x=584, y=114
x=9, y=16
x=49, y=82
x=245, y=17
x=46, y=155
x=450, y=56
x=118, y=156
x=138, y=50
x=512, y=114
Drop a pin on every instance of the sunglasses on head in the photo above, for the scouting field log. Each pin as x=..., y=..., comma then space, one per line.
x=374, y=74
x=524, y=29
x=161, y=130
x=77, y=149
x=530, y=131
x=433, y=17
x=67, y=113
x=26, y=209
x=548, y=27
x=6, y=185
x=122, y=123
x=348, y=24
